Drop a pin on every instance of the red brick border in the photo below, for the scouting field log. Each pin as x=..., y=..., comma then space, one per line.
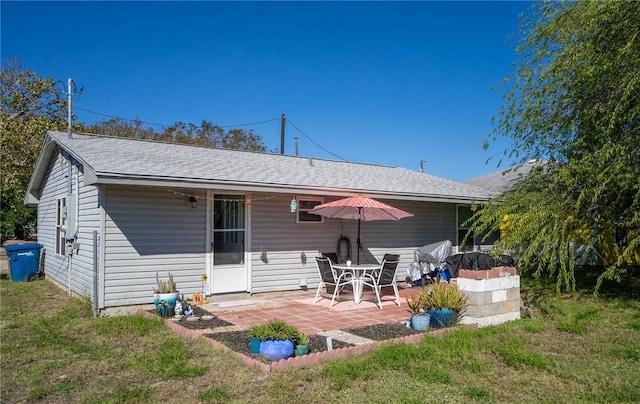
x=495, y=272
x=311, y=358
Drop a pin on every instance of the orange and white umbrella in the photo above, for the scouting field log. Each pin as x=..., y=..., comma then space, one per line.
x=362, y=208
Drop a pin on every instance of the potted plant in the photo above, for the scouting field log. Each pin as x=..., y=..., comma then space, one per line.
x=419, y=309
x=446, y=303
x=302, y=344
x=165, y=296
x=279, y=340
x=257, y=334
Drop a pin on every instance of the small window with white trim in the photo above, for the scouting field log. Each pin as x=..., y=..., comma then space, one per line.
x=304, y=206
x=61, y=222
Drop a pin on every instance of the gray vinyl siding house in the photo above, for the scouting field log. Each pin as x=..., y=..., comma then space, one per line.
x=113, y=212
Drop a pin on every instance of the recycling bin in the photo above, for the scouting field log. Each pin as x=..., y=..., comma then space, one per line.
x=24, y=260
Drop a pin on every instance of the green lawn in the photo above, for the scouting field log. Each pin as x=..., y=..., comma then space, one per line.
x=575, y=349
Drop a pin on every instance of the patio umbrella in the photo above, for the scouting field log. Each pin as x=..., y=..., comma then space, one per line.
x=362, y=208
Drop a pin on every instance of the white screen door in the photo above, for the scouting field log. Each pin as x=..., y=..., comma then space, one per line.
x=228, y=242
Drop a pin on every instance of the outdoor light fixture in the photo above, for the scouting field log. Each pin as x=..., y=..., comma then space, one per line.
x=193, y=201
x=294, y=205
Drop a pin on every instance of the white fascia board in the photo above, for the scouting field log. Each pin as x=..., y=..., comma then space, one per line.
x=114, y=179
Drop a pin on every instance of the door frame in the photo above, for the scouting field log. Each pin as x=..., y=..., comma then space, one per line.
x=209, y=285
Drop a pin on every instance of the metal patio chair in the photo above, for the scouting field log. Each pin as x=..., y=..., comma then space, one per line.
x=330, y=277
x=385, y=277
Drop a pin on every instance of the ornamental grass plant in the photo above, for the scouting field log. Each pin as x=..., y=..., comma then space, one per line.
x=443, y=295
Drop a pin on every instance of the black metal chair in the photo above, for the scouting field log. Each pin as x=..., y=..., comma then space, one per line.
x=385, y=277
x=330, y=277
x=332, y=256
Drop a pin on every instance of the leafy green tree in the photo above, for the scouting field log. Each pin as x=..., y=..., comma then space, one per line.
x=575, y=102
x=29, y=106
x=120, y=128
x=210, y=135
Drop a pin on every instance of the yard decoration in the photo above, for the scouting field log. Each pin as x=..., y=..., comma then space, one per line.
x=199, y=299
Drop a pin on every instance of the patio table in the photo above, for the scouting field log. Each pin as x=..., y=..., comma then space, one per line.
x=359, y=273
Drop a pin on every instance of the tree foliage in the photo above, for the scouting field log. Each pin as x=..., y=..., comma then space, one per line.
x=575, y=102
x=206, y=134
x=29, y=106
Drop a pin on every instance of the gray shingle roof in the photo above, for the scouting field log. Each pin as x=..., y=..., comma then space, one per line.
x=114, y=159
x=503, y=180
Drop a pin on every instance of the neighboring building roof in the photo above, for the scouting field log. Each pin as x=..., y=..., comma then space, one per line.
x=114, y=160
x=503, y=180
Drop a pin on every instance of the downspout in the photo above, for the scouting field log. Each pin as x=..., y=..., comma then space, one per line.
x=95, y=274
x=68, y=230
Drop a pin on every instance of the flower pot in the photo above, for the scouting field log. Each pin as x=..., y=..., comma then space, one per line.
x=420, y=322
x=255, y=345
x=441, y=318
x=165, y=303
x=274, y=350
x=302, y=350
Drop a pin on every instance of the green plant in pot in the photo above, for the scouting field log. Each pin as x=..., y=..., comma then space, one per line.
x=447, y=304
x=257, y=334
x=279, y=340
x=302, y=344
x=165, y=296
x=419, y=309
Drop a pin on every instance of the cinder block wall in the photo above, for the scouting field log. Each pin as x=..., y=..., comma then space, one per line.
x=494, y=295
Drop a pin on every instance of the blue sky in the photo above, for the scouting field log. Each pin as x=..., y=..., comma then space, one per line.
x=389, y=83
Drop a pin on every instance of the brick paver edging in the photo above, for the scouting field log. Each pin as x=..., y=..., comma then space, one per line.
x=311, y=358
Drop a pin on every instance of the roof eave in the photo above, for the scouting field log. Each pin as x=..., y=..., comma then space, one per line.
x=116, y=179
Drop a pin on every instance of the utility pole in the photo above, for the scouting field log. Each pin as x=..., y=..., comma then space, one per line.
x=422, y=165
x=296, y=141
x=69, y=84
x=282, y=122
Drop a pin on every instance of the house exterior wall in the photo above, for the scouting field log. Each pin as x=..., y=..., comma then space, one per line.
x=149, y=230
x=283, y=251
x=56, y=266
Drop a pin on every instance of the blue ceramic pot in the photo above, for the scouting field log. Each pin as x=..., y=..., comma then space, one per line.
x=274, y=350
x=420, y=322
x=441, y=318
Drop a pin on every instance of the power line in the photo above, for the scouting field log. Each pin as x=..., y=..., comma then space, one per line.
x=220, y=126
x=166, y=125
x=314, y=142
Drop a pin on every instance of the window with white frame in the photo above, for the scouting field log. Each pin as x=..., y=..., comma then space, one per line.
x=304, y=206
x=61, y=222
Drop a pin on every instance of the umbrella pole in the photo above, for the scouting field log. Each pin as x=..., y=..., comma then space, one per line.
x=358, y=240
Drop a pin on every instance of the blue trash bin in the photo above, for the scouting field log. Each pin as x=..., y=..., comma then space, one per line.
x=24, y=260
